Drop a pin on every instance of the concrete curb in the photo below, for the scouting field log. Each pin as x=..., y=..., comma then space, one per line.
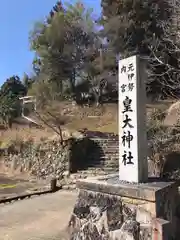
x=25, y=196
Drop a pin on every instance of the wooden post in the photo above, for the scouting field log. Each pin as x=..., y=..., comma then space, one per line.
x=53, y=184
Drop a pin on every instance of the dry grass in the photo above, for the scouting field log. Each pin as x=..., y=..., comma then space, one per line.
x=98, y=119
x=107, y=121
x=82, y=118
x=23, y=134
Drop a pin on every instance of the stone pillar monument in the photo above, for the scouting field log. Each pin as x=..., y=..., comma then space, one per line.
x=132, y=121
x=128, y=205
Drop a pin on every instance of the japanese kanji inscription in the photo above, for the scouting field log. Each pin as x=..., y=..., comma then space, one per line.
x=132, y=124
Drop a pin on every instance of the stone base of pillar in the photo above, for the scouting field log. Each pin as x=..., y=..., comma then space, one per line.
x=108, y=209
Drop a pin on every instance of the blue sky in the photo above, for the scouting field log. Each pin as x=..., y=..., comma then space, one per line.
x=17, y=18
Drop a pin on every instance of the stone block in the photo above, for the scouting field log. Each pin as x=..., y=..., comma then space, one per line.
x=161, y=229
x=105, y=210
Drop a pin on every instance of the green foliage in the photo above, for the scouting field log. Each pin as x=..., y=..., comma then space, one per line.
x=62, y=46
x=43, y=92
x=137, y=22
x=12, y=87
x=27, y=81
x=70, y=48
x=148, y=28
x=10, y=92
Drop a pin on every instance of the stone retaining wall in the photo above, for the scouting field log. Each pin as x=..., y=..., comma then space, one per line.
x=49, y=158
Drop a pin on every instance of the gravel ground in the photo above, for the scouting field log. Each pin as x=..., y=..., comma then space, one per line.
x=39, y=218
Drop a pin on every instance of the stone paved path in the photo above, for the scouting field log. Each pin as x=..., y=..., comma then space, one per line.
x=39, y=218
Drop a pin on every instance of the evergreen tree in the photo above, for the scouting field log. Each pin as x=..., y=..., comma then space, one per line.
x=147, y=28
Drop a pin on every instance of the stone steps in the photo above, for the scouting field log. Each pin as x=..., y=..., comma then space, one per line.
x=113, y=163
x=107, y=168
x=94, y=171
x=104, y=152
x=109, y=145
x=105, y=141
x=102, y=161
x=103, y=155
x=106, y=156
